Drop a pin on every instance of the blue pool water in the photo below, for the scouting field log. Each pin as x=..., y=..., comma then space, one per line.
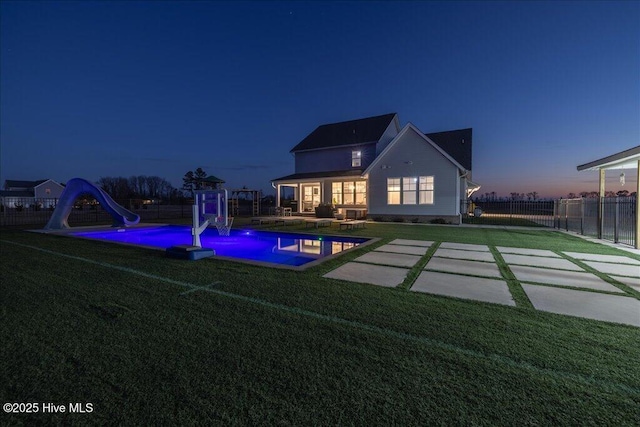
x=278, y=248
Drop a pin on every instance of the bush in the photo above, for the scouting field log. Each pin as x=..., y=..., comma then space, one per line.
x=398, y=219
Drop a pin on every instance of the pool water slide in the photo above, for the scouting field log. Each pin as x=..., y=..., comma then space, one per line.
x=77, y=187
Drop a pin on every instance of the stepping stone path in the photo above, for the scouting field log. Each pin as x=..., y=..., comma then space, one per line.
x=552, y=282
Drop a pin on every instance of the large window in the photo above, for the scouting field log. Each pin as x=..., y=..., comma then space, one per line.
x=414, y=190
x=393, y=191
x=336, y=193
x=356, y=158
x=349, y=193
x=426, y=190
x=361, y=193
x=409, y=187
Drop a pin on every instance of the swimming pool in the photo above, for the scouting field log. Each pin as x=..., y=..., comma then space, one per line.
x=285, y=249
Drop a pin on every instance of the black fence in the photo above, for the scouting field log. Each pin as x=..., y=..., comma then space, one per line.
x=36, y=212
x=581, y=216
x=533, y=213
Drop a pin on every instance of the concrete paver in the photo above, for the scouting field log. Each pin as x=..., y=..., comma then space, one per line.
x=474, y=268
x=464, y=246
x=611, y=308
x=525, y=251
x=403, y=249
x=603, y=258
x=384, y=258
x=632, y=282
x=617, y=269
x=537, y=261
x=562, y=278
x=389, y=265
x=474, y=288
x=407, y=242
x=368, y=273
x=466, y=255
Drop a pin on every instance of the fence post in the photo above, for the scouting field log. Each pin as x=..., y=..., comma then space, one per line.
x=582, y=216
x=615, y=220
x=566, y=216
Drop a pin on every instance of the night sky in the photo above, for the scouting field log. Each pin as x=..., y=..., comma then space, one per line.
x=93, y=89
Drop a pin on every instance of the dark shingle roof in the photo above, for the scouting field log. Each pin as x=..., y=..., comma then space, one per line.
x=312, y=175
x=456, y=143
x=16, y=193
x=213, y=179
x=10, y=183
x=352, y=132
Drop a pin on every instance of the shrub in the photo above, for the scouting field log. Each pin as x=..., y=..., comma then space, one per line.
x=438, y=221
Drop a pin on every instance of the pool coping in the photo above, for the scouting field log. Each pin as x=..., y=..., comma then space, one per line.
x=67, y=233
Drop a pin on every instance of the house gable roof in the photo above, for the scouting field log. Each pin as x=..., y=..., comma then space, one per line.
x=10, y=183
x=410, y=126
x=352, y=132
x=16, y=193
x=457, y=143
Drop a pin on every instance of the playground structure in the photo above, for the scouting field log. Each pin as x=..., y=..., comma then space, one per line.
x=235, y=201
x=75, y=188
x=210, y=207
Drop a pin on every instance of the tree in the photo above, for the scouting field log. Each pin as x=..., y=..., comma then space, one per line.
x=193, y=180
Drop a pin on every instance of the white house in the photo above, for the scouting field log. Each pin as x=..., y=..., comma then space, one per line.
x=371, y=167
x=26, y=193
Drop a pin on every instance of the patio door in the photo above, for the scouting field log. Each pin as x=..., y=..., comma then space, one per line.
x=310, y=197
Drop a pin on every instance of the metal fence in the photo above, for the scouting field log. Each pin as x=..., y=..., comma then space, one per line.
x=29, y=211
x=533, y=213
x=581, y=216
x=36, y=212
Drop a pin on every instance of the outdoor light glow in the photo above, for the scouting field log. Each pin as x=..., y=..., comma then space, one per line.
x=275, y=248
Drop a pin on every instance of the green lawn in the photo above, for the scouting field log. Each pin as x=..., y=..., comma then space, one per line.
x=127, y=330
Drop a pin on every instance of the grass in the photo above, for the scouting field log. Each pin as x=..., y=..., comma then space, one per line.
x=128, y=330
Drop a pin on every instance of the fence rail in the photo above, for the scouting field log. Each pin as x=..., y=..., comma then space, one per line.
x=30, y=211
x=581, y=216
x=577, y=215
x=534, y=213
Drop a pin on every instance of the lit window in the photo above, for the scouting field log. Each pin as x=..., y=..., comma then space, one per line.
x=361, y=193
x=349, y=193
x=409, y=187
x=336, y=193
x=393, y=191
x=356, y=159
x=426, y=190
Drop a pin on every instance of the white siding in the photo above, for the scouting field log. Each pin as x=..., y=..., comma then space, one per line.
x=412, y=156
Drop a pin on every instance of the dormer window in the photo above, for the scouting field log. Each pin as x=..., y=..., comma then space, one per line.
x=356, y=158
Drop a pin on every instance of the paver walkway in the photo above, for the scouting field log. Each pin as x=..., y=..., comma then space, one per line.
x=552, y=283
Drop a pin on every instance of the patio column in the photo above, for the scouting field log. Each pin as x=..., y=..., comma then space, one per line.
x=278, y=189
x=601, y=193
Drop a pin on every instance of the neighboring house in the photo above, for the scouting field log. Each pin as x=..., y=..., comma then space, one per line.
x=371, y=167
x=26, y=193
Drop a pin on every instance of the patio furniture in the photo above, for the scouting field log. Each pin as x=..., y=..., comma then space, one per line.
x=318, y=222
x=351, y=224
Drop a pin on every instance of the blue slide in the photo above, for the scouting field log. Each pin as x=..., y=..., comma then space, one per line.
x=75, y=188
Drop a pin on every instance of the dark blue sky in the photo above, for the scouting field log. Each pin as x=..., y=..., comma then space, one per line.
x=91, y=89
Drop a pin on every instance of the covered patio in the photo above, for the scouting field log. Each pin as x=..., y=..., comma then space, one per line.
x=624, y=160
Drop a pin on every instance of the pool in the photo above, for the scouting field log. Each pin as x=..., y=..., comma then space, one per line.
x=284, y=249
